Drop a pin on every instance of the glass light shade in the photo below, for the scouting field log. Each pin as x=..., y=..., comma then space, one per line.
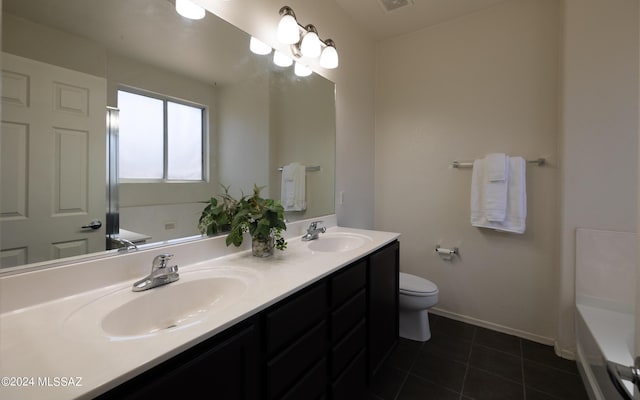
x=190, y=10
x=258, y=47
x=310, y=46
x=288, y=32
x=281, y=60
x=302, y=70
x=329, y=58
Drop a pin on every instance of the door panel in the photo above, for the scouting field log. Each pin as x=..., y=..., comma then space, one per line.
x=53, y=162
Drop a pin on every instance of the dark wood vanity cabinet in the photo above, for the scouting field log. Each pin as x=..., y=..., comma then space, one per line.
x=383, y=292
x=295, y=332
x=226, y=366
x=348, y=341
x=322, y=342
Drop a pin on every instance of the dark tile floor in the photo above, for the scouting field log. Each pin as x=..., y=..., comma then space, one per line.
x=466, y=362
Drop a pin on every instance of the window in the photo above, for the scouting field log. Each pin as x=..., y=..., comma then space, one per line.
x=160, y=139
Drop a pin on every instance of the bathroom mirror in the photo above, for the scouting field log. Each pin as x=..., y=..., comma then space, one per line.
x=63, y=65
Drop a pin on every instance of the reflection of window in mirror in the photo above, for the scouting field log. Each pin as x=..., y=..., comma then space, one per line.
x=159, y=138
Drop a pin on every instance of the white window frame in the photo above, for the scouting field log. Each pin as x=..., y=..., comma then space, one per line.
x=204, y=137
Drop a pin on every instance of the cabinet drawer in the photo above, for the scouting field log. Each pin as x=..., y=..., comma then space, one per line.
x=348, y=315
x=346, y=283
x=347, y=348
x=294, y=317
x=310, y=386
x=352, y=384
x=287, y=367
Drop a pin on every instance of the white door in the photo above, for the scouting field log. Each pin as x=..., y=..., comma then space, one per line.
x=52, y=162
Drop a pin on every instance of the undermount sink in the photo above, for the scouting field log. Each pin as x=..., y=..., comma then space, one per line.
x=337, y=242
x=125, y=315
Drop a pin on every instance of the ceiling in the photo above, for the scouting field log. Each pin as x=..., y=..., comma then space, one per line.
x=372, y=16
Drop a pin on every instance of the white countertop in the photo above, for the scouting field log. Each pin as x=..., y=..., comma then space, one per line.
x=46, y=357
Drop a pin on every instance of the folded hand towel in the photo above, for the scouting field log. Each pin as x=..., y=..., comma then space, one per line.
x=494, y=190
x=497, y=167
x=292, y=192
x=516, y=211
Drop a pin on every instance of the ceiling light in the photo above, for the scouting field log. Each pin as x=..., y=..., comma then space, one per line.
x=281, y=60
x=258, y=47
x=329, y=56
x=190, y=10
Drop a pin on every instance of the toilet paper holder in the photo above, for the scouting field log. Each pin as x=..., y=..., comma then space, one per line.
x=447, y=252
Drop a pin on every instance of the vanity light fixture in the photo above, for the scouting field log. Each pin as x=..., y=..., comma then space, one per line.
x=259, y=47
x=281, y=60
x=301, y=69
x=288, y=32
x=310, y=44
x=329, y=56
x=304, y=41
x=189, y=9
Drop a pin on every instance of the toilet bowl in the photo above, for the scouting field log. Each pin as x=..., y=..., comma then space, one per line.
x=416, y=296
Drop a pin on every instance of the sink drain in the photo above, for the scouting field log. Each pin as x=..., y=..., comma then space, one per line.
x=171, y=326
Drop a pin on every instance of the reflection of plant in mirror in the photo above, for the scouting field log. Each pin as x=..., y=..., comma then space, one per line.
x=216, y=217
x=262, y=218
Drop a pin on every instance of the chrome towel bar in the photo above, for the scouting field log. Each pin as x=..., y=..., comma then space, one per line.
x=315, y=168
x=469, y=164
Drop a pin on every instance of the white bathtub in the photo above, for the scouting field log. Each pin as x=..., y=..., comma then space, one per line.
x=603, y=334
x=605, y=303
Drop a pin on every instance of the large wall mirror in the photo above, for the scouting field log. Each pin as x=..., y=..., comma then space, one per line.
x=65, y=63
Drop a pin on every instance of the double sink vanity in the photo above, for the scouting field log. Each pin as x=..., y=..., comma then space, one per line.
x=311, y=322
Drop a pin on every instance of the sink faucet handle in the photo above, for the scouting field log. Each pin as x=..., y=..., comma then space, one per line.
x=160, y=261
x=314, y=224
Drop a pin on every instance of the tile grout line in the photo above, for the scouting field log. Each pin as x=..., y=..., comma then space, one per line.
x=468, y=363
x=408, y=372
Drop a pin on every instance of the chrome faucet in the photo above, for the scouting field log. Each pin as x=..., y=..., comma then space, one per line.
x=313, y=231
x=124, y=244
x=161, y=274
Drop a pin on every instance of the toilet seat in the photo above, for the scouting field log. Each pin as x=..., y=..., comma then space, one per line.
x=412, y=285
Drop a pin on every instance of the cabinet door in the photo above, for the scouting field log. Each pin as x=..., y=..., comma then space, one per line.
x=229, y=370
x=383, y=304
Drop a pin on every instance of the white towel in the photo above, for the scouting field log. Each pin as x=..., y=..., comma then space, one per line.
x=497, y=167
x=516, y=210
x=494, y=191
x=292, y=190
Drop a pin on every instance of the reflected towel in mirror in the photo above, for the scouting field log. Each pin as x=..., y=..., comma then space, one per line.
x=293, y=188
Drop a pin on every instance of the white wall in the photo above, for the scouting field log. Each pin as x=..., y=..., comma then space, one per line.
x=486, y=82
x=243, y=136
x=303, y=130
x=354, y=90
x=599, y=132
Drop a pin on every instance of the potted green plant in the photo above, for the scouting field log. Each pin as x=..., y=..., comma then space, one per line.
x=262, y=218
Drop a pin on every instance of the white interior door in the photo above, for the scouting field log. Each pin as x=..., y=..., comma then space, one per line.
x=52, y=162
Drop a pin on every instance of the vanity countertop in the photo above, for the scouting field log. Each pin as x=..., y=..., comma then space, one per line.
x=46, y=351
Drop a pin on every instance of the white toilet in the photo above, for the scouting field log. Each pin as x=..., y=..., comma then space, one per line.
x=416, y=296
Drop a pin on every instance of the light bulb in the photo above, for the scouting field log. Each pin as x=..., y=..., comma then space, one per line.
x=288, y=32
x=190, y=10
x=310, y=46
x=281, y=60
x=329, y=57
x=258, y=47
x=302, y=70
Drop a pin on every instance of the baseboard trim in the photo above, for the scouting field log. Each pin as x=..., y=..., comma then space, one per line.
x=505, y=329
